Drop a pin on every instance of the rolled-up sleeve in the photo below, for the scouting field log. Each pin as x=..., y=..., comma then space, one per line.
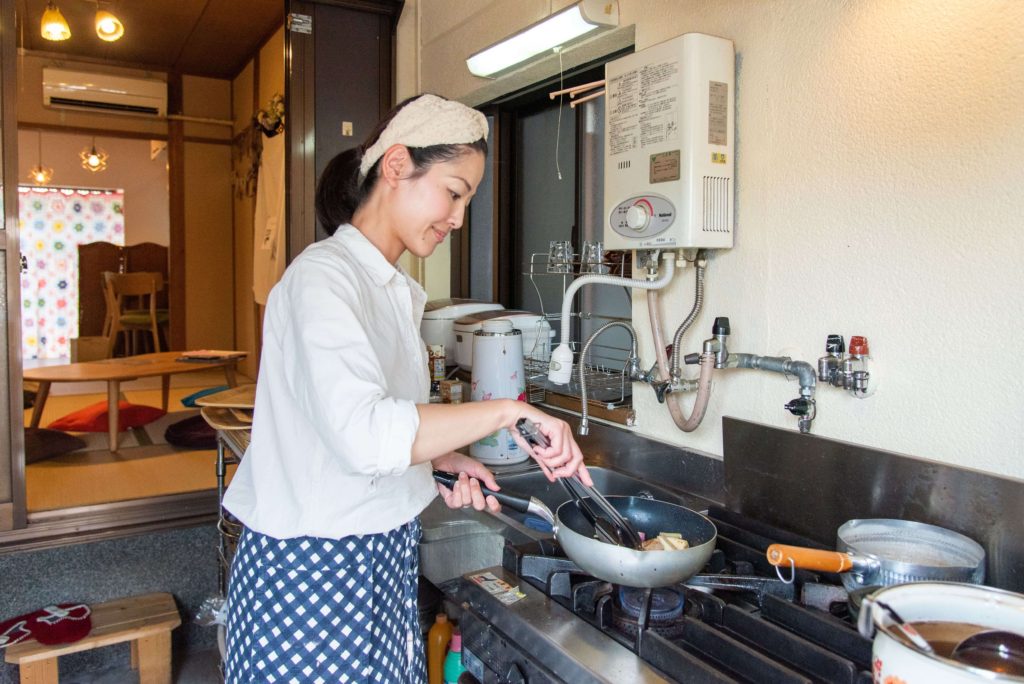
x=338, y=376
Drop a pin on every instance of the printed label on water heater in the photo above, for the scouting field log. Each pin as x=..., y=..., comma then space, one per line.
x=665, y=167
x=718, y=113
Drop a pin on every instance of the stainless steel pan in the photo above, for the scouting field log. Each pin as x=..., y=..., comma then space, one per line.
x=886, y=552
x=620, y=564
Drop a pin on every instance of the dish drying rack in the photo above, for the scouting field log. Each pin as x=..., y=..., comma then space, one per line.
x=609, y=390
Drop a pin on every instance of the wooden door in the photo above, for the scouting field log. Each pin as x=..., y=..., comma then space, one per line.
x=339, y=76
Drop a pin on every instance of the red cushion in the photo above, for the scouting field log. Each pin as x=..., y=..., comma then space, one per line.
x=94, y=418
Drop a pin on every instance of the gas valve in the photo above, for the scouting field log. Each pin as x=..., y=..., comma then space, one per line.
x=801, y=406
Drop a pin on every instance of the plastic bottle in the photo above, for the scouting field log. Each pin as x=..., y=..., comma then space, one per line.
x=437, y=643
x=453, y=661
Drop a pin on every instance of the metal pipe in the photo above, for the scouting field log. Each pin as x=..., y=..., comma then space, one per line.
x=804, y=372
x=632, y=370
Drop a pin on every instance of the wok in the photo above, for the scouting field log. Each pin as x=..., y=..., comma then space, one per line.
x=620, y=564
x=886, y=552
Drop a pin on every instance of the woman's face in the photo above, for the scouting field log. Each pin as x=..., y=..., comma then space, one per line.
x=434, y=204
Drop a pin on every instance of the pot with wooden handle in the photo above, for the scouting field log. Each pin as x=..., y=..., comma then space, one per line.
x=886, y=552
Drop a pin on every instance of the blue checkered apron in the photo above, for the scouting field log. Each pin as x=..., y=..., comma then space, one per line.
x=311, y=609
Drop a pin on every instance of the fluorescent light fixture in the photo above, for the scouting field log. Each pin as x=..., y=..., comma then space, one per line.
x=54, y=26
x=557, y=30
x=108, y=26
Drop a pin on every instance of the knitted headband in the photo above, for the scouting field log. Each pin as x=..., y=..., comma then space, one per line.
x=427, y=120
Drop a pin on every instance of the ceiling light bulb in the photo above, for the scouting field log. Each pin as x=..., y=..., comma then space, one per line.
x=54, y=26
x=40, y=175
x=93, y=159
x=108, y=27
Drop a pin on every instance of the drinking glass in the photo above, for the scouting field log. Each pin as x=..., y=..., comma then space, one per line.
x=592, y=257
x=560, y=256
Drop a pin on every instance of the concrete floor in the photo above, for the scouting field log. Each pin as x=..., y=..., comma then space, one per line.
x=198, y=667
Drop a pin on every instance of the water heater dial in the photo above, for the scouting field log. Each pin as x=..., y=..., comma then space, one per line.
x=638, y=216
x=644, y=217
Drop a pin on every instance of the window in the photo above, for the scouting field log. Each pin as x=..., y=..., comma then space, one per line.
x=544, y=183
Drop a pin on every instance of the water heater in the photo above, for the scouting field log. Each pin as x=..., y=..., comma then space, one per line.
x=669, y=145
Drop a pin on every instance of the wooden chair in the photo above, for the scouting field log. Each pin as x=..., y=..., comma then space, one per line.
x=132, y=306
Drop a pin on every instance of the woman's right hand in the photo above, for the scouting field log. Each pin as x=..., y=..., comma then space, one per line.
x=563, y=457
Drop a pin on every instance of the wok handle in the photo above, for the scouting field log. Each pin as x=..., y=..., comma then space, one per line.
x=531, y=505
x=809, y=559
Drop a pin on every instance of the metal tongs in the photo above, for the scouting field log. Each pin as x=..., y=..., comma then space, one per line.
x=612, y=526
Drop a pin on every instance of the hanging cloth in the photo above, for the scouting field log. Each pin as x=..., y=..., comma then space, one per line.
x=268, y=260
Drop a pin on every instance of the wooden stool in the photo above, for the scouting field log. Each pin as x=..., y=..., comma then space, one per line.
x=145, y=620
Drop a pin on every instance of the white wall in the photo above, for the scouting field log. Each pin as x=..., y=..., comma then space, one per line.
x=129, y=167
x=879, y=178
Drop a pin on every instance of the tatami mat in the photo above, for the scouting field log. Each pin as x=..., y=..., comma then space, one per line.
x=99, y=476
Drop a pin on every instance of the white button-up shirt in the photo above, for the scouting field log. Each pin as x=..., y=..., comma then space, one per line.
x=342, y=370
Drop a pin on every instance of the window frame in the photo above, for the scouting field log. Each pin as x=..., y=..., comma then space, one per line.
x=506, y=112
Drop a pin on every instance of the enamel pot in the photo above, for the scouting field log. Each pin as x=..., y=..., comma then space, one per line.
x=962, y=610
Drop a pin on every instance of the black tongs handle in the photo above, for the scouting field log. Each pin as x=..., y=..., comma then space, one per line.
x=531, y=433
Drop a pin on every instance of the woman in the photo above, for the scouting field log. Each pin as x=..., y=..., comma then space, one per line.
x=323, y=586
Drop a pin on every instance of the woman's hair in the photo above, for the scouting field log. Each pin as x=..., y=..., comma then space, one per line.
x=340, y=191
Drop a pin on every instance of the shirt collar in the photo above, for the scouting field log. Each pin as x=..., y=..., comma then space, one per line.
x=367, y=255
x=374, y=263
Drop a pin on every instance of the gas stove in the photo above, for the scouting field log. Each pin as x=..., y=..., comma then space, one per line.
x=539, y=618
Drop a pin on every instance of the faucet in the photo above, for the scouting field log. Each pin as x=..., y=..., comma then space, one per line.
x=803, y=407
x=631, y=370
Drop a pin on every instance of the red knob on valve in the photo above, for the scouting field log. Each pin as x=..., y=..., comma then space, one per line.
x=858, y=346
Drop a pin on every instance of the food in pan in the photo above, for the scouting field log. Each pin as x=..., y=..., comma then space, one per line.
x=666, y=541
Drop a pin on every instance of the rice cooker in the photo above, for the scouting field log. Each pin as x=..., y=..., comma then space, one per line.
x=439, y=316
x=535, y=329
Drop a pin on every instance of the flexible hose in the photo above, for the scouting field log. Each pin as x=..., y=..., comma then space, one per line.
x=639, y=283
x=698, y=304
x=707, y=367
x=560, y=366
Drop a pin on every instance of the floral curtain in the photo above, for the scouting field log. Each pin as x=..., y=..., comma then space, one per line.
x=53, y=222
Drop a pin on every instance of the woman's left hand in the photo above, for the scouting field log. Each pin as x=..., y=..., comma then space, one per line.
x=467, y=491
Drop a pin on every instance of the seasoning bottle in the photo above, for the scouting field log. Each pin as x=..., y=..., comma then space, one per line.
x=437, y=643
x=437, y=367
x=453, y=661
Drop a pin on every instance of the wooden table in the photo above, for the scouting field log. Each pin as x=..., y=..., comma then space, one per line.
x=116, y=371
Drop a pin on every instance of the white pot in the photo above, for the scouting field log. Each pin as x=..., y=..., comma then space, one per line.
x=896, y=662
x=498, y=374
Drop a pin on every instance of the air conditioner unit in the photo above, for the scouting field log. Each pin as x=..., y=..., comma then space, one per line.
x=103, y=92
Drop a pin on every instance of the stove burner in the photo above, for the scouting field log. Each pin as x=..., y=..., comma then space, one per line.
x=666, y=604
x=665, y=617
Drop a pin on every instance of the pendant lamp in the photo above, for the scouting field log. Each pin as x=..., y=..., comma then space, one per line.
x=54, y=26
x=108, y=26
x=39, y=174
x=92, y=159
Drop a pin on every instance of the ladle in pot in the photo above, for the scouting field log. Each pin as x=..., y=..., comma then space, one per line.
x=993, y=650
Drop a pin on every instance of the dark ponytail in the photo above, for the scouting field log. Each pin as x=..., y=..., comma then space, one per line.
x=339, y=192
